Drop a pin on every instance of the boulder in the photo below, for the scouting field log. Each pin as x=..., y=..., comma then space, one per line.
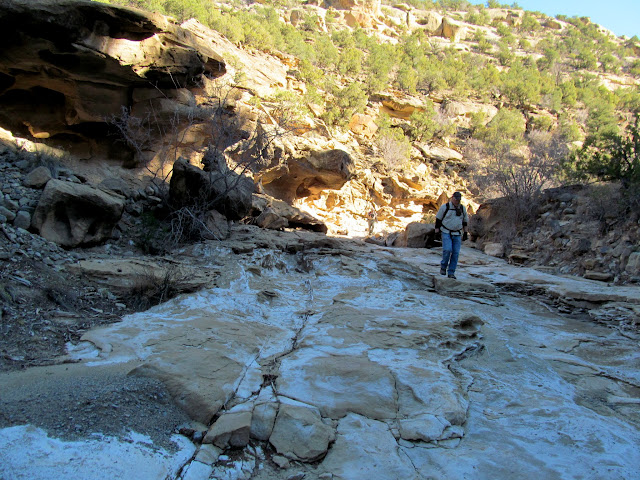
x=275, y=214
x=300, y=434
x=400, y=106
x=270, y=219
x=364, y=125
x=439, y=153
x=303, y=177
x=230, y=430
x=428, y=20
x=633, y=264
x=227, y=192
x=452, y=30
x=494, y=249
x=38, y=177
x=7, y=214
x=22, y=220
x=74, y=215
x=263, y=419
x=416, y=235
x=217, y=226
x=355, y=19
x=464, y=109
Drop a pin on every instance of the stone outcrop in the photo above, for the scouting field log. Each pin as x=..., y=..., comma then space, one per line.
x=107, y=71
x=228, y=192
x=400, y=106
x=452, y=30
x=364, y=362
x=363, y=125
x=308, y=176
x=568, y=234
x=417, y=235
x=59, y=81
x=430, y=21
x=463, y=110
x=300, y=434
x=276, y=214
x=75, y=215
x=371, y=7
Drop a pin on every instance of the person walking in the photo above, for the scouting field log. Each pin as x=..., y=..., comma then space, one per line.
x=451, y=220
x=372, y=216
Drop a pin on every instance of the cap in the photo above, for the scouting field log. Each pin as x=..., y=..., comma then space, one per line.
x=457, y=195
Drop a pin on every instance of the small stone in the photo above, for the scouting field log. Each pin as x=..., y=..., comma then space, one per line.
x=11, y=204
x=230, y=430
x=452, y=443
x=494, y=249
x=281, y=461
x=38, y=177
x=599, y=276
x=197, y=471
x=22, y=220
x=208, y=454
x=8, y=214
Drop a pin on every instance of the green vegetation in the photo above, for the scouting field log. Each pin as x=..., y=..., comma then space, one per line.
x=522, y=64
x=610, y=156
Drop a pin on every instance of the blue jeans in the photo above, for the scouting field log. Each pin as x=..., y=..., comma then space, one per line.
x=450, y=251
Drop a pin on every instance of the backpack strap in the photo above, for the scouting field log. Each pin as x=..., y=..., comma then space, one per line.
x=446, y=210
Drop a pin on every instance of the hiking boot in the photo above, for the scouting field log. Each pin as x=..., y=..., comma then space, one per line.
x=443, y=271
x=451, y=275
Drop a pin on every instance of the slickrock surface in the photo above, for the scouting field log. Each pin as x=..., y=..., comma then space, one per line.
x=314, y=357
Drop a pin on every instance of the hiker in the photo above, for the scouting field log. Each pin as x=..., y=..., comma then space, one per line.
x=372, y=216
x=452, y=220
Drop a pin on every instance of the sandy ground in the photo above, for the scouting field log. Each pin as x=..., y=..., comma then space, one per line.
x=73, y=401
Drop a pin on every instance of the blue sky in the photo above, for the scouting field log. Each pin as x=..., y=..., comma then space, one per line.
x=622, y=17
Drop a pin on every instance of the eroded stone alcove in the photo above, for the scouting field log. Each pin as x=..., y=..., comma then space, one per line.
x=67, y=68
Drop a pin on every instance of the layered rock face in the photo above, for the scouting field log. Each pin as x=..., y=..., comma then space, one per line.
x=68, y=66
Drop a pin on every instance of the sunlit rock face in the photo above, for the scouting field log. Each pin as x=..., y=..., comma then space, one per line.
x=67, y=66
x=363, y=361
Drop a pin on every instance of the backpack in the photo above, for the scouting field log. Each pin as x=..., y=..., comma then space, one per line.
x=446, y=210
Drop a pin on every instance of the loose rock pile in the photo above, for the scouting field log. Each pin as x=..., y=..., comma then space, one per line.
x=576, y=231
